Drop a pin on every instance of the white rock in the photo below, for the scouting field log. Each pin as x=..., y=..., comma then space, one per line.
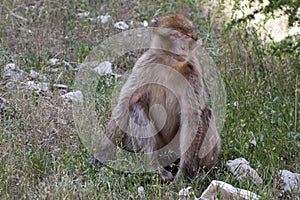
x=153, y=21
x=38, y=86
x=145, y=23
x=14, y=75
x=9, y=74
x=236, y=104
x=36, y=75
x=104, y=68
x=74, y=96
x=53, y=61
x=9, y=71
x=241, y=169
x=60, y=86
x=18, y=16
x=289, y=181
x=10, y=66
x=185, y=193
x=141, y=192
x=121, y=25
x=104, y=18
x=227, y=192
x=83, y=14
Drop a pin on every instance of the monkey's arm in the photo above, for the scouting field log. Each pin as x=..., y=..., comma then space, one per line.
x=140, y=115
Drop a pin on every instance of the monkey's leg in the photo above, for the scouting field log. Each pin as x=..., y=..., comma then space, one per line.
x=189, y=139
x=204, y=149
x=211, y=145
x=188, y=166
x=153, y=159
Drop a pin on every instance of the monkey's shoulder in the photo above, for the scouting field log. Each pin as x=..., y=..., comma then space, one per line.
x=161, y=58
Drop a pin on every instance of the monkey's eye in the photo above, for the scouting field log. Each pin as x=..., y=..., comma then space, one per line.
x=176, y=34
x=192, y=36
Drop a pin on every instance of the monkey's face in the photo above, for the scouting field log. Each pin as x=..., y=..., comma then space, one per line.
x=176, y=34
x=177, y=42
x=181, y=44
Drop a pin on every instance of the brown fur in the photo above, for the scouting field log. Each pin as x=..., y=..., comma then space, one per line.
x=138, y=96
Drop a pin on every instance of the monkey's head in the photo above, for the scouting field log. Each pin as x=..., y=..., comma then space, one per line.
x=176, y=34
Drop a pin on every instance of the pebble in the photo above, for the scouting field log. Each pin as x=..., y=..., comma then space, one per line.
x=121, y=25
x=241, y=169
x=74, y=96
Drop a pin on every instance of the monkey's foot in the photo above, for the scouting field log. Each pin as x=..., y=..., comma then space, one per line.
x=167, y=176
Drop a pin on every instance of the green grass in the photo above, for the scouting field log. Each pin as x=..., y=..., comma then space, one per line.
x=41, y=155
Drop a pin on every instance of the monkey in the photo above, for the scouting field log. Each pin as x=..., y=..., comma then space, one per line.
x=163, y=106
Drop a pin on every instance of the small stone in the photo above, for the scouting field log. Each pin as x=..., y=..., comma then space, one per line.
x=10, y=66
x=227, y=192
x=154, y=21
x=38, y=86
x=19, y=17
x=236, y=104
x=289, y=181
x=241, y=169
x=131, y=23
x=60, y=86
x=145, y=23
x=184, y=194
x=83, y=14
x=74, y=96
x=141, y=192
x=121, y=25
x=104, y=68
x=35, y=75
x=10, y=72
x=104, y=18
x=53, y=61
